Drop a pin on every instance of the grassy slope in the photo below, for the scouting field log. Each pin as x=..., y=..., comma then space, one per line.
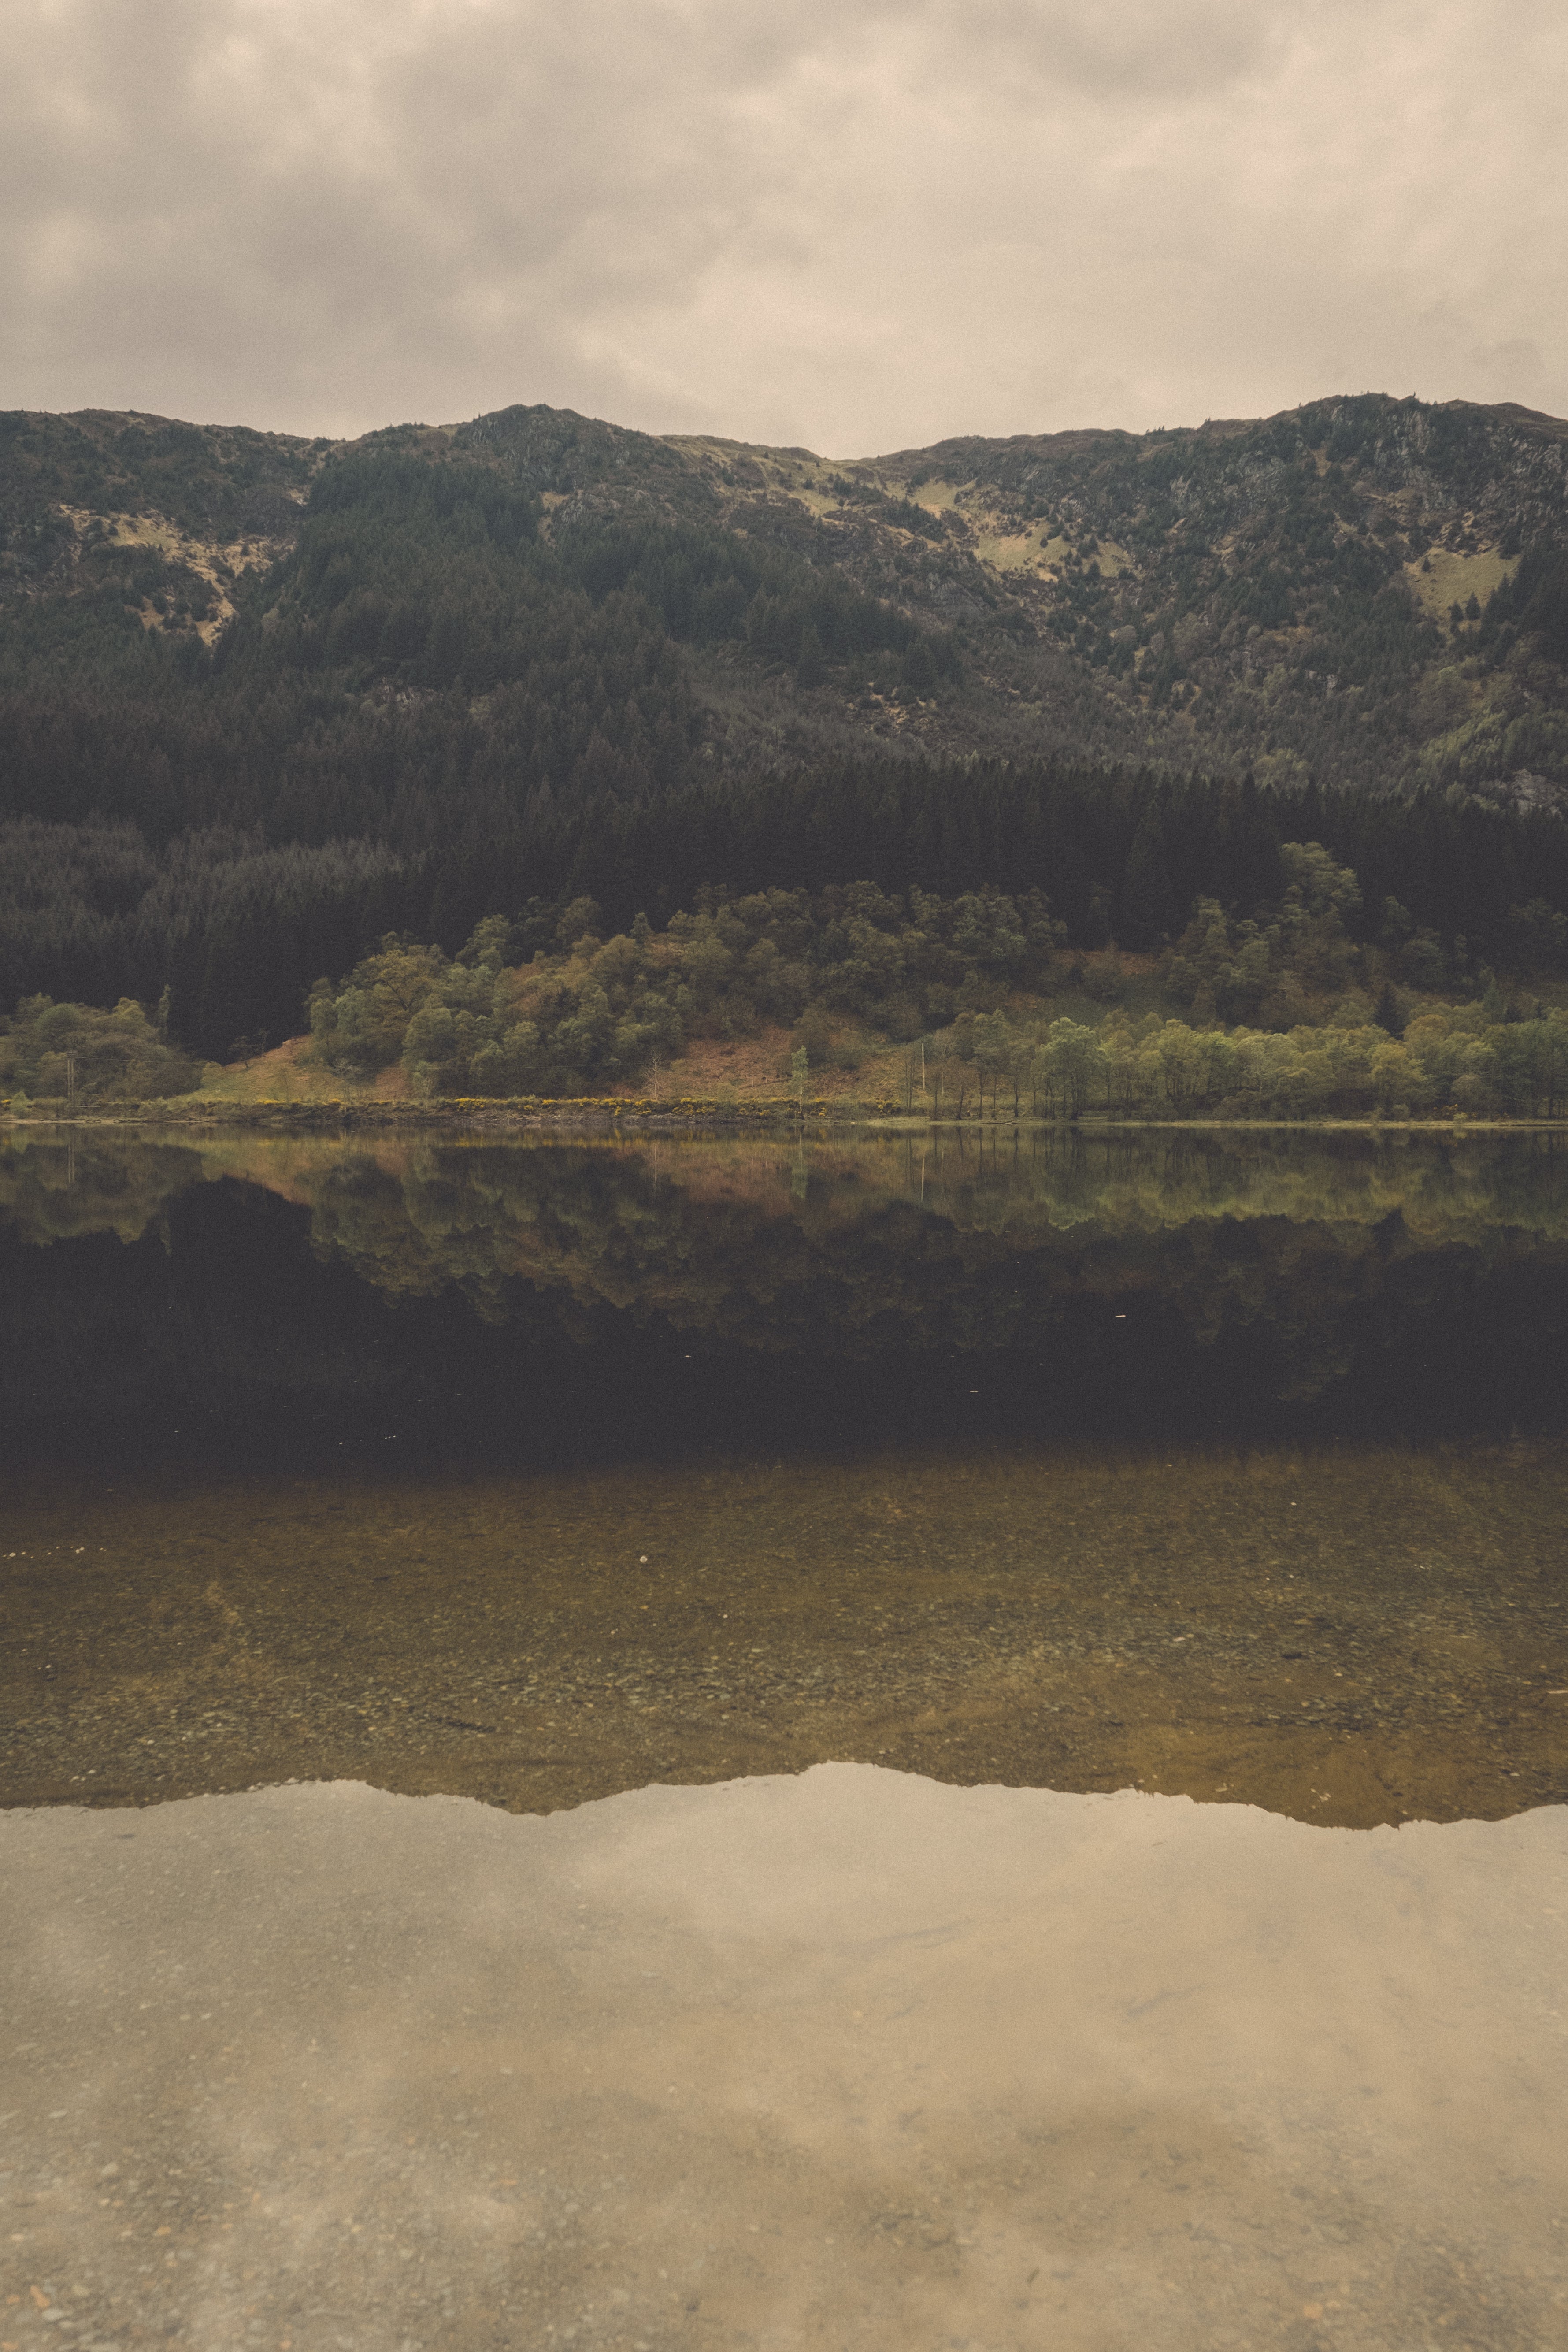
x=287, y=1073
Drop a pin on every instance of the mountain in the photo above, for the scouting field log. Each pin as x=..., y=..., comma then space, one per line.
x=1363, y=590
x=437, y=671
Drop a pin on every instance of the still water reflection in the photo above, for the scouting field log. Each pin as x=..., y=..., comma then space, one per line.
x=558, y=1303
x=1226, y=1466
x=843, y=2059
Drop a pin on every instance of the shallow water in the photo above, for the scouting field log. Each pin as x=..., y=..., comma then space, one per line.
x=1353, y=1633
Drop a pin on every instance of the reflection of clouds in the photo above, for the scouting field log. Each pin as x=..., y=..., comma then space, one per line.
x=791, y=2051
x=856, y=225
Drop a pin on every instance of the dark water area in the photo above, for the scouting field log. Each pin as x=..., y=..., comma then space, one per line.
x=1209, y=1464
x=286, y=1305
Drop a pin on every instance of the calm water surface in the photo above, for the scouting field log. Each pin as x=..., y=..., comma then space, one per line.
x=1219, y=1465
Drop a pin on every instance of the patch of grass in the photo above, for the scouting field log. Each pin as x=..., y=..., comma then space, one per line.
x=1455, y=579
x=217, y=564
x=937, y=496
x=1015, y=550
x=287, y=1074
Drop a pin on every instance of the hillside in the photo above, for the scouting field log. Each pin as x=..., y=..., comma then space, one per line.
x=1291, y=594
x=944, y=1006
x=320, y=690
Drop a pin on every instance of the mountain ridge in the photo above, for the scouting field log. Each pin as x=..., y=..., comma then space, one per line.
x=1195, y=595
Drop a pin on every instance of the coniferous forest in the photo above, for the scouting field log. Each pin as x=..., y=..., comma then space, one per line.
x=264, y=701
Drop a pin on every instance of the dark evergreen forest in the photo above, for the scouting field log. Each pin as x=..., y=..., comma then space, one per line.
x=237, y=932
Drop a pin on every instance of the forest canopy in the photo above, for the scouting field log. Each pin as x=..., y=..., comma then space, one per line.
x=239, y=932
x=965, y=984
x=1282, y=1014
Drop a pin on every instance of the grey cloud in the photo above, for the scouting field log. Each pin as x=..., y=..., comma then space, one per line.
x=1138, y=47
x=854, y=224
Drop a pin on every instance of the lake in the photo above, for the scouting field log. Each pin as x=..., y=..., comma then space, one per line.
x=962, y=1501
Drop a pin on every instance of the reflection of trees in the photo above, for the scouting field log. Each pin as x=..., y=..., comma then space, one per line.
x=1302, y=1248
x=1306, y=1260
x=98, y=1183
x=413, y=1216
x=58, y=1192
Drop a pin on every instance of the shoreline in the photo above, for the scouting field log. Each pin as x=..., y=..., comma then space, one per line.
x=612, y=1115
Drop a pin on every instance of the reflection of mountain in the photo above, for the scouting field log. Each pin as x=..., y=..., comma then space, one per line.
x=1101, y=1275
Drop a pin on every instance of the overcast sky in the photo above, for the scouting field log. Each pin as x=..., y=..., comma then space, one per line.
x=856, y=225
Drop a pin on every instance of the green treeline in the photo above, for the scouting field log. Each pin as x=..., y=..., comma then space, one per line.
x=1307, y=1006
x=958, y=983
x=67, y=1053
x=587, y=1011
x=239, y=931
